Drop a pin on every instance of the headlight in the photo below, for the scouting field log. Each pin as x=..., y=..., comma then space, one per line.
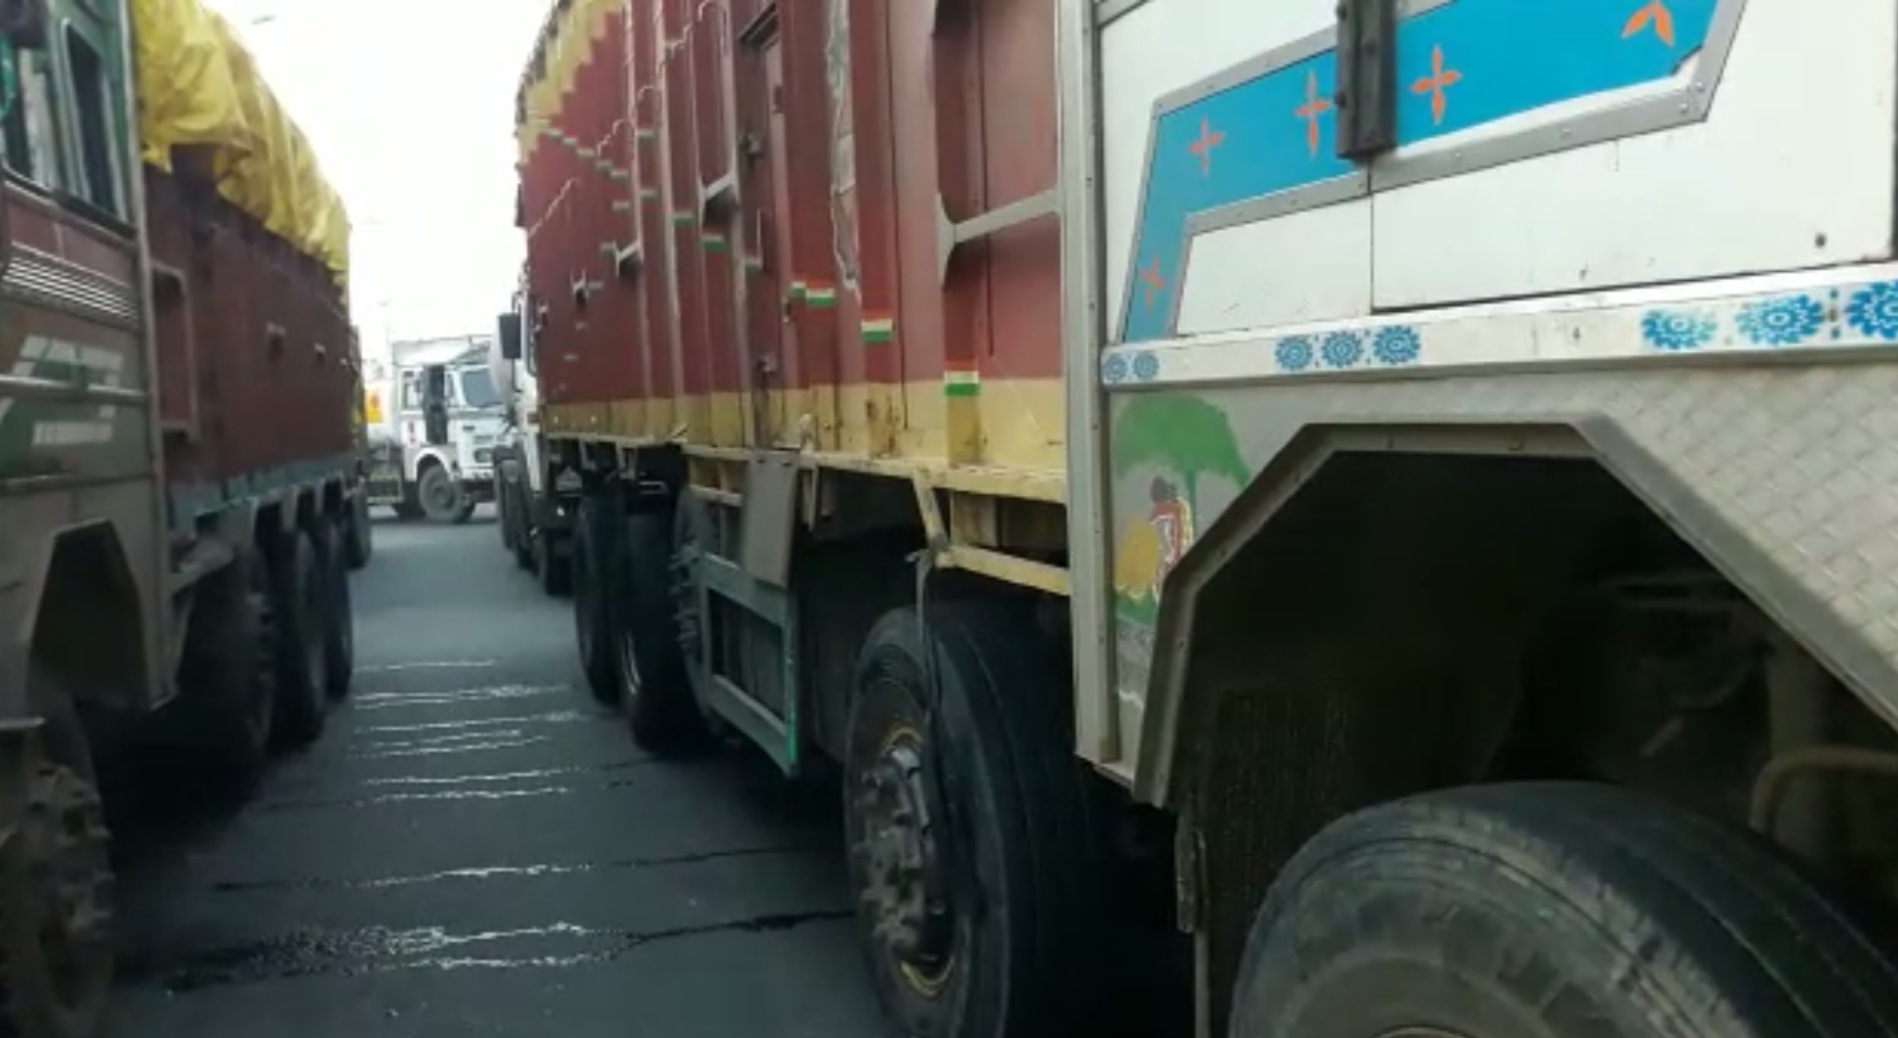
x=484, y=456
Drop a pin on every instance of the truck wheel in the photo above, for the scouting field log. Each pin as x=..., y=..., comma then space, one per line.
x=1552, y=908
x=693, y=530
x=971, y=851
x=56, y=888
x=524, y=554
x=505, y=519
x=593, y=570
x=409, y=508
x=339, y=620
x=441, y=497
x=554, y=572
x=359, y=538
x=228, y=675
x=656, y=692
x=299, y=599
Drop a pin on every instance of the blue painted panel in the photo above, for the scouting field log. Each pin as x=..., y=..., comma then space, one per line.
x=1461, y=65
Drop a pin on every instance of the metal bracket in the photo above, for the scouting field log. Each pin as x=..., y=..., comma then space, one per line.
x=1366, y=77
x=950, y=233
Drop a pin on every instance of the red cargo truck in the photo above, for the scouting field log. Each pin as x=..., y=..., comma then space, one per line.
x=793, y=301
x=179, y=451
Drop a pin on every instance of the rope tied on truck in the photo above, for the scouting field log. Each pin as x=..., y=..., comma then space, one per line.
x=939, y=781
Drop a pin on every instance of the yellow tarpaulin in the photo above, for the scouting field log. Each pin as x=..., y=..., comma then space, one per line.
x=199, y=85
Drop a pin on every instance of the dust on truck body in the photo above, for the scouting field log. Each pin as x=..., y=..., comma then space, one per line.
x=178, y=450
x=1429, y=462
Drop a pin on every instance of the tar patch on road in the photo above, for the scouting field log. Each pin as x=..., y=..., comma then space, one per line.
x=376, y=949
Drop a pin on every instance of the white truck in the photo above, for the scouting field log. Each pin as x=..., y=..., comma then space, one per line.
x=530, y=519
x=432, y=448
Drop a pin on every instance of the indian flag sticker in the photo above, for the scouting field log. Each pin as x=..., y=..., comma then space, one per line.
x=712, y=242
x=683, y=218
x=878, y=330
x=820, y=295
x=966, y=382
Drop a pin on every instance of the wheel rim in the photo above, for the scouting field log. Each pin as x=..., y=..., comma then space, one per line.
x=64, y=831
x=438, y=494
x=906, y=885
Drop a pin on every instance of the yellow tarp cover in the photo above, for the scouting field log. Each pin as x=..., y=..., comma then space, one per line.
x=199, y=85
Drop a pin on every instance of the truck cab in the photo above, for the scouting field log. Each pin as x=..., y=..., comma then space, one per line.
x=436, y=448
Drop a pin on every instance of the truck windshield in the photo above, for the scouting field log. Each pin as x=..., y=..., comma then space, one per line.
x=477, y=388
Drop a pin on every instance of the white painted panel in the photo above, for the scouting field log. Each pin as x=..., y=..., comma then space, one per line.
x=1310, y=266
x=1793, y=168
x=1159, y=47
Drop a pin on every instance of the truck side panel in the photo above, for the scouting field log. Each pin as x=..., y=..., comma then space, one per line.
x=255, y=339
x=796, y=158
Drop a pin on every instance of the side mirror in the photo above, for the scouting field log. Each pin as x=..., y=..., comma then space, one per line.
x=435, y=404
x=25, y=23
x=510, y=330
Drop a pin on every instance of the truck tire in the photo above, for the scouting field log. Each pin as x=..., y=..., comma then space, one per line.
x=972, y=853
x=300, y=601
x=506, y=518
x=594, y=566
x=554, y=572
x=228, y=681
x=56, y=886
x=442, y=499
x=339, y=620
x=1553, y=908
x=359, y=537
x=656, y=692
x=525, y=555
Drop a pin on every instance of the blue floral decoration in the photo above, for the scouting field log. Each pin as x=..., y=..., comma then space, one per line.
x=1780, y=322
x=1294, y=354
x=1677, y=330
x=1873, y=310
x=1114, y=368
x=1397, y=344
x=1342, y=349
x=1146, y=367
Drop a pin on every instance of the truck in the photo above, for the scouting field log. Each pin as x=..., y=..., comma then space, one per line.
x=180, y=494
x=434, y=452
x=531, y=526
x=1337, y=517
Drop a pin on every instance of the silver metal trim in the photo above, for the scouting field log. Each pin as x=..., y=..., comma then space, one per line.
x=66, y=286
x=1288, y=53
x=1687, y=104
x=1315, y=195
x=1107, y=12
x=1083, y=327
x=951, y=233
x=160, y=610
x=1684, y=105
x=27, y=387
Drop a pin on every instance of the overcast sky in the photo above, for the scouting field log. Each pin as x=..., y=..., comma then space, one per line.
x=410, y=107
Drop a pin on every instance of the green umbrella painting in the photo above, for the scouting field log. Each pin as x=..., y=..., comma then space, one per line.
x=1187, y=439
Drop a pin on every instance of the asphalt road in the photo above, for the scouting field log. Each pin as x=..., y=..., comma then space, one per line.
x=474, y=848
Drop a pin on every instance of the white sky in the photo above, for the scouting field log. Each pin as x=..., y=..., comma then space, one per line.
x=410, y=107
